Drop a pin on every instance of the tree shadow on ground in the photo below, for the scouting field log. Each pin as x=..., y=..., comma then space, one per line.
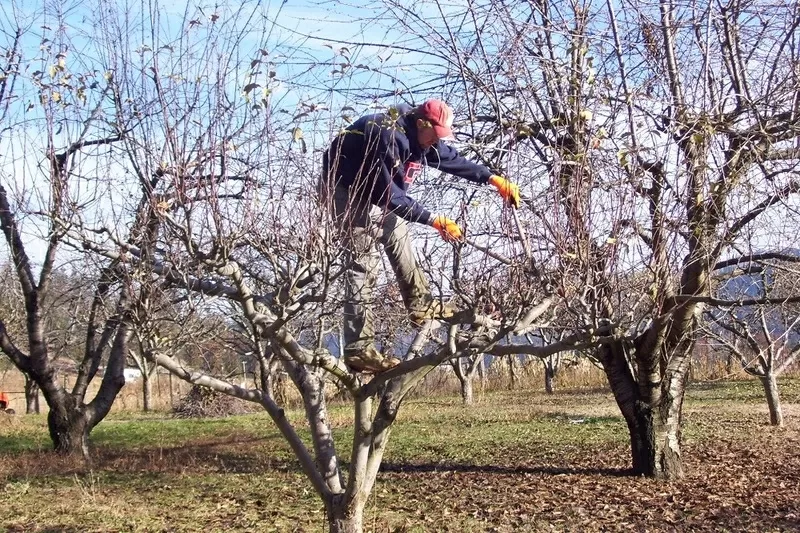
x=502, y=469
x=242, y=456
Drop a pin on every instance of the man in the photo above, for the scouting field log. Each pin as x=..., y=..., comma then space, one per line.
x=366, y=172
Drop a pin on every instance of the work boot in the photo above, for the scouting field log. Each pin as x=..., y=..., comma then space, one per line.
x=368, y=360
x=429, y=309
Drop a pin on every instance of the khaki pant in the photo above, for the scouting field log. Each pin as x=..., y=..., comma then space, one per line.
x=360, y=226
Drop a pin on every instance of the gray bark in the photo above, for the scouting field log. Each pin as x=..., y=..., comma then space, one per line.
x=467, y=390
x=770, y=383
x=653, y=417
x=345, y=519
x=549, y=378
x=465, y=372
x=32, y=404
x=68, y=424
x=512, y=373
x=147, y=391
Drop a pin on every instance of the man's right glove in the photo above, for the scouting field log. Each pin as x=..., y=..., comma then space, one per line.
x=448, y=229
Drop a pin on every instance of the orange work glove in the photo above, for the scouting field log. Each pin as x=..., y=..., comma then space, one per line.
x=507, y=189
x=448, y=229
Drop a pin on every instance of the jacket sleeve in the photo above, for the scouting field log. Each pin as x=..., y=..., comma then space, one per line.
x=447, y=159
x=386, y=192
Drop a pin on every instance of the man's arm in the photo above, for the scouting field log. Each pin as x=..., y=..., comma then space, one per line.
x=447, y=159
x=386, y=193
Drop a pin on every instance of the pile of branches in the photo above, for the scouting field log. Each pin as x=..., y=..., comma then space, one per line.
x=202, y=402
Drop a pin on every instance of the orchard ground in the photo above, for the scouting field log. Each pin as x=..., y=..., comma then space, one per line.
x=514, y=461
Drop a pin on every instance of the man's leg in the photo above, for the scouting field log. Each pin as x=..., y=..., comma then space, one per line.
x=396, y=239
x=357, y=233
x=361, y=254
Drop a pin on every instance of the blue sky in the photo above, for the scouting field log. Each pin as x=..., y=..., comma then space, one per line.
x=296, y=35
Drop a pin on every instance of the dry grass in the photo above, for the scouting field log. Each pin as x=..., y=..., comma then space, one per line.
x=168, y=391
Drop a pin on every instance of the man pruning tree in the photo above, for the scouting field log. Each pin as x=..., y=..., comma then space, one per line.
x=366, y=172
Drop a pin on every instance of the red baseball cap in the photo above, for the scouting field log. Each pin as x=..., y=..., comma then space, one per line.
x=440, y=116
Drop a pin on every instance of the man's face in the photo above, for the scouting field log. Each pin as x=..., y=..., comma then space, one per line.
x=426, y=135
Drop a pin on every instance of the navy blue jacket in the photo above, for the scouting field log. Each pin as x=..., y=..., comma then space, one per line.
x=378, y=157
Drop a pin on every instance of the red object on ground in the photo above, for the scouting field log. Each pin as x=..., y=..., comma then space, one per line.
x=4, y=401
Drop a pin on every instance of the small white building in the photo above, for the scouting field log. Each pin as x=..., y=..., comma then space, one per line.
x=132, y=374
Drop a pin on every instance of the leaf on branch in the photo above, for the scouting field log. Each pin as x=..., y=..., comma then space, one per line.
x=524, y=129
x=250, y=86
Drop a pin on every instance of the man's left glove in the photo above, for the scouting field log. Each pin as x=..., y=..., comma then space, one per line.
x=447, y=228
x=507, y=189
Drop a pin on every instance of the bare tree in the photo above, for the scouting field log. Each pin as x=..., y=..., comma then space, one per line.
x=466, y=368
x=761, y=337
x=225, y=209
x=161, y=325
x=60, y=118
x=657, y=156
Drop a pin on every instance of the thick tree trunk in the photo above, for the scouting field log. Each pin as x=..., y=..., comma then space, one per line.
x=465, y=372
x=69, y=429
x=641, y=428
x=770, y=384
x=655, y=433
x=669, y=460
x=346, y=520
x=512, y=371
x=638, y=415
x=482, y=371
x=655, y=436
x=549, y=377
x=147, y=392
x=466, y=389
x=31, y=396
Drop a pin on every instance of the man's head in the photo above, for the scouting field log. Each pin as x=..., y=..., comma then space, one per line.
x=434, y=122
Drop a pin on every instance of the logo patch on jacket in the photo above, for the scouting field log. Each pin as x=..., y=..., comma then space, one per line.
x=412, y=168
